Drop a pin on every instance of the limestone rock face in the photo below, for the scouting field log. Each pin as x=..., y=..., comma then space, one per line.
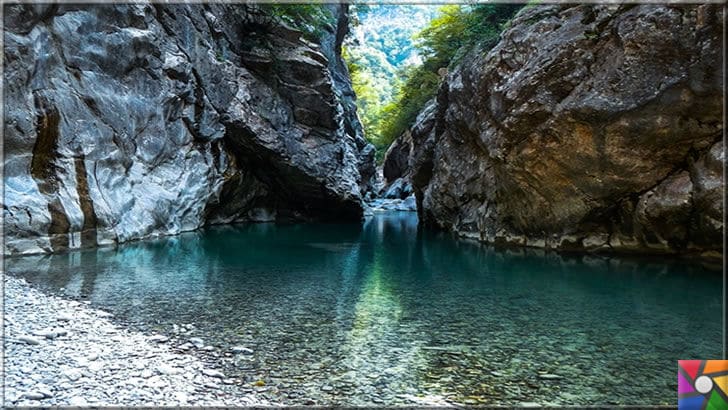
x=591, y=127
x=129, y=121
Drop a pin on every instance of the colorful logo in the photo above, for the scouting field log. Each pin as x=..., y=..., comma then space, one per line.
x=702, y=384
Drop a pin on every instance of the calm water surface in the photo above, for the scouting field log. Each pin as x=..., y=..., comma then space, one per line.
x=384, y=313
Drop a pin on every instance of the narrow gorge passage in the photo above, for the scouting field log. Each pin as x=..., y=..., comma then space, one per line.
x=249, y=204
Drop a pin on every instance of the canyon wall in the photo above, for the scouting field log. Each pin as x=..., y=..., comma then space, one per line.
x=129, y=121
x=589, y=127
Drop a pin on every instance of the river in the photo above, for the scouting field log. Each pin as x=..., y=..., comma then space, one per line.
x=386, y=313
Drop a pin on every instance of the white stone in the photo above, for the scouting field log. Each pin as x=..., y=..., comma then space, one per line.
x=77, y=401
x=30, y=340
x=213, y=373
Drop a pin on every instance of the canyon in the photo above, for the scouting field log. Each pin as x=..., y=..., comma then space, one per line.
x=590, y=127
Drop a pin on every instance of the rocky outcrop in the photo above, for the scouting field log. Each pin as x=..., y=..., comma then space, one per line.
x=396, y=159
x=129, y=121
x=591, y=127
x=401, y=157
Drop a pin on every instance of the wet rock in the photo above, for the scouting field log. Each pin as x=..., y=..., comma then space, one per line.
x=396, y=159
x=380, y=205
x=549, y=376
x=399, y=189
x=241, y=350
x=51, y=333
x=146, y=373
x=44, y=390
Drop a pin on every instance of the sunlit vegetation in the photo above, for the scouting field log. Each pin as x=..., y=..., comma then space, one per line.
x=388, y=106
x=379, y=47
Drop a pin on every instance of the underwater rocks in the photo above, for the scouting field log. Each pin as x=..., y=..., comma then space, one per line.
x=130, y=121
x=94, y=362
x=591, y=127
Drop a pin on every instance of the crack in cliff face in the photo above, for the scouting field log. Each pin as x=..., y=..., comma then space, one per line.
x=44, y=170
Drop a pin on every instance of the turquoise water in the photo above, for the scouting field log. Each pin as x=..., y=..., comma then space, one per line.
x=384, y=313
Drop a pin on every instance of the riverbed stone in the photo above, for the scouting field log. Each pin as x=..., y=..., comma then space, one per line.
x=77, y=401
x=54, y=377
x=30, y=340
x=241, y=350
x=213, y=373
x=34, y=395
x=197, y=342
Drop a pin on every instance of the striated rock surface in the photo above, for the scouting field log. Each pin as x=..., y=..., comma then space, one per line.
x=593, y=127
x=129, y=121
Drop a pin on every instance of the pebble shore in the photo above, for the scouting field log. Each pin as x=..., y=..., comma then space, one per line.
x=60, y=352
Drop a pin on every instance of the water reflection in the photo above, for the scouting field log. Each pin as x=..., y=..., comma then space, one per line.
x=384, y=312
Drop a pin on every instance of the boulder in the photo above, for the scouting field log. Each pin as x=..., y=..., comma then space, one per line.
x=592, y=127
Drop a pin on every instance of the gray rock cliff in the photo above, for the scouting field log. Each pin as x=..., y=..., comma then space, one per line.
x=590, y=127
x=129, y=121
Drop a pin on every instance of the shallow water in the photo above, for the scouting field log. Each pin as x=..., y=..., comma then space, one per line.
x=384, y=313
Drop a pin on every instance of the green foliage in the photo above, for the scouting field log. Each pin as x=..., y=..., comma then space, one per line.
x=311, y=19
x=379, y=48
x=441, y=44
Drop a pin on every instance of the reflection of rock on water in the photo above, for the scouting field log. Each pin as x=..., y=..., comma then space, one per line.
x=333, y=247
x=387, y=309
x=402, y=224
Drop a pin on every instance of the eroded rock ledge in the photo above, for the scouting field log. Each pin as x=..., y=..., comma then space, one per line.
x=592, y=127
x=129, y=121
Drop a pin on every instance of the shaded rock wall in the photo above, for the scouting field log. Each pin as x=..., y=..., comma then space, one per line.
x=129, y=121
x=594, y=127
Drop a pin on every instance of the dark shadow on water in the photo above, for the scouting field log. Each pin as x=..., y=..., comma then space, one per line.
x=384, y=309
